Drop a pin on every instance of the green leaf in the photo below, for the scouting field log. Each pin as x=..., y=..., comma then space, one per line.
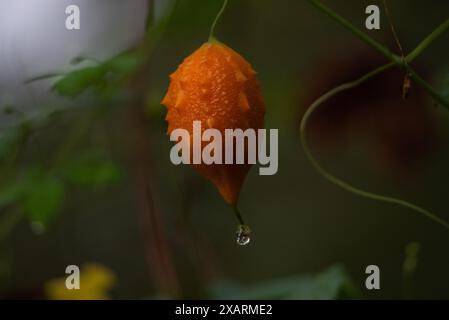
x=13, y=193
x=8, y=140
x=16, y=189
x=333, y=283
x=41, y=204
x=39, y=195
x=125, y=63
x=92, y=170
x=76, y=82
x=11, y=138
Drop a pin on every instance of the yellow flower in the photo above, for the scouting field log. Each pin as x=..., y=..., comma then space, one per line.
x=95, y=282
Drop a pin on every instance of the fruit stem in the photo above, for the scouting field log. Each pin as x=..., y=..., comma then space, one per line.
x=238, y=215
x=214, y=24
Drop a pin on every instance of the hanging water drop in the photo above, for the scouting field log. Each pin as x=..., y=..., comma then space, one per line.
x=243, y=235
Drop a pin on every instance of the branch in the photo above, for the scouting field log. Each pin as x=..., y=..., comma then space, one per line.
x=428, y=41
x=359, y=33
x=344, y=185
x=400, y=62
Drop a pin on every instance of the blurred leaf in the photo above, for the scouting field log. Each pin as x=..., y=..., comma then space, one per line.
x=13, y=193
x=333, y=283
x=17, y=189
x=76, y=82
x=39, y=194
x=12, y=137
x=8, y=140
x=125, y=63
x=8, y=109
x=92, y=170
x=42, y=202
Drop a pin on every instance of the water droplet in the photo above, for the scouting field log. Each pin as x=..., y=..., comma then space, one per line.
x=243, y=235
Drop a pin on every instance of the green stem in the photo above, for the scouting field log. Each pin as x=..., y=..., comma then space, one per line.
x=430, y=90
x=214, y=24
x=363, y=36
x=428, y=41
x=399, y=61
x=238, y=215
x=341, y=183
x=393, y=29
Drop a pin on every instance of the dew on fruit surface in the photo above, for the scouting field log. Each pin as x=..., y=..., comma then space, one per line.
x=243, y=235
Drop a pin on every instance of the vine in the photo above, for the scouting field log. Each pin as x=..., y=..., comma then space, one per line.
x=401, y=62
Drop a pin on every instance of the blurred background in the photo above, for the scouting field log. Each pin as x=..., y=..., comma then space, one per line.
x=86, y=179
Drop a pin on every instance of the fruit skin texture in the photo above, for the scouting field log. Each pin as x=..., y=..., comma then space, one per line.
x=218, y=87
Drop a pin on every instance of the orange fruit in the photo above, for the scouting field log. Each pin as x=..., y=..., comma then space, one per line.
x=217, y=86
